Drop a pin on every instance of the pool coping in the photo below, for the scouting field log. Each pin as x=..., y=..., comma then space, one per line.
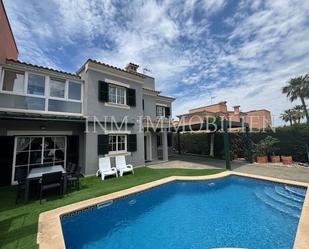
x=50, y=235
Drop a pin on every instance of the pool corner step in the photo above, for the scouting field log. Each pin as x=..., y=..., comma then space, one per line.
x=276, y=205
x=296, y=191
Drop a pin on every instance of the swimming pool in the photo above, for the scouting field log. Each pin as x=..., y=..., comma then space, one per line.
x=233, y=211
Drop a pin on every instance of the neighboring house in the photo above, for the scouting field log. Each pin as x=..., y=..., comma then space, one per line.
x=256, y=119
x=8, y=48
x=46, y=116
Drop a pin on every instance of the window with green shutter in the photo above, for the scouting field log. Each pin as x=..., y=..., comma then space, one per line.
x=132, y=142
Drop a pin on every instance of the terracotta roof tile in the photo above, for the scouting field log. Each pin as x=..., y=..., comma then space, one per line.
x=41, y=67
x=110, y=66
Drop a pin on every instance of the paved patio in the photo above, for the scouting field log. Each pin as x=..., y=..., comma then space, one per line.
x=199, y=162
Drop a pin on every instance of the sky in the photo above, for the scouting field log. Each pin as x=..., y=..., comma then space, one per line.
x=242, y=52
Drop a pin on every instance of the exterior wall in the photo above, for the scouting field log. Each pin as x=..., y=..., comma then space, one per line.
x=149, y=106
x=149, y=83
x=93, y=107
x=258, y=119
x=99, y=109
x=150, y=103
x=8, y=48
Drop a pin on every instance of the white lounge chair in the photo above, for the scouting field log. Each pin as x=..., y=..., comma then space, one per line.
x=122, y=166
x=105, y=168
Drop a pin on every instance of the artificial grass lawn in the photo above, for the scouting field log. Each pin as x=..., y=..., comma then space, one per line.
x=19, y=223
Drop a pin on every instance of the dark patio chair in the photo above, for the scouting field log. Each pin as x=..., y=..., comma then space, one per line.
x=20, y=177
x=51, y=181
x=73, y=178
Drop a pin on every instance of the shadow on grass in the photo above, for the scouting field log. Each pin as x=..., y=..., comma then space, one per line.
x=9, y=235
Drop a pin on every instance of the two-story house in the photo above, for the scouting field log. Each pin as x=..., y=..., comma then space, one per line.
x=51, y=117
x=119, y=100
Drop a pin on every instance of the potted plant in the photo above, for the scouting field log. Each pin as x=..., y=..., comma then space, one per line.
x=270, y=148
x=287, y=159
x=260, y=152
x=265, y=148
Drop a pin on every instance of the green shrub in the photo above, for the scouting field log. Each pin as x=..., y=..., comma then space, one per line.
x=293, y=140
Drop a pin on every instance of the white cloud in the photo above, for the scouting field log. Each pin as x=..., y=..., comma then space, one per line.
x=244, y=57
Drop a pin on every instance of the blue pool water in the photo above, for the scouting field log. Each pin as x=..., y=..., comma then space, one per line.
x=229, y=212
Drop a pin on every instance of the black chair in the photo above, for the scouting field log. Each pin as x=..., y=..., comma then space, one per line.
x=51, y=181
x=20, y=176
x=73, y=178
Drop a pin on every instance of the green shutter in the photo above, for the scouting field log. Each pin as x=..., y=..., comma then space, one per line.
x=167, y=112
x=103, y=91
x=103, y=144
x=131, y=97
x=132, y=146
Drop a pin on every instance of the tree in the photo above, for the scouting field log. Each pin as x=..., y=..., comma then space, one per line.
x=298, y=113
x=287, y=116
x=298, y=88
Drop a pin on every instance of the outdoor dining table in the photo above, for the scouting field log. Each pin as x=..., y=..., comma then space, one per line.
x=36, y=174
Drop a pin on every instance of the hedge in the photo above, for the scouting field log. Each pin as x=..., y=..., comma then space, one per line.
x=293, y=141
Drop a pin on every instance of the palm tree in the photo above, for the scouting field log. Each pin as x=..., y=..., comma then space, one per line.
x=298, y=112
x=298, y=88
x=287, y=116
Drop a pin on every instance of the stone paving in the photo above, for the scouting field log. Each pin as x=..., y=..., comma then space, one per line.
x=200, y=162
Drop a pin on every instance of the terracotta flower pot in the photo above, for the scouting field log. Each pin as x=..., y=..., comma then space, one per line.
x=275, y=159
x=261, y=159
x=287, y=159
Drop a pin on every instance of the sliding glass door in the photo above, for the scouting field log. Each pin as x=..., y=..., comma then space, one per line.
x=35, y=151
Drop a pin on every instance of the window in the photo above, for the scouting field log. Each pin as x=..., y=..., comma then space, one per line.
x=75, y=91
x=33, y=151
x=117, y=95
x=117, y=143
x=13, y=81
x=160, y=111
x=36, y=84
x=57, y=88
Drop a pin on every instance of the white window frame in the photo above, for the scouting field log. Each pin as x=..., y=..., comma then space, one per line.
x=161, y=106
x=27, y=83
x=125, y=144
x=117, y=88
x=46, y=95
x=81, y=91
x=2, y=81
x=65, y=90
x=42, y=153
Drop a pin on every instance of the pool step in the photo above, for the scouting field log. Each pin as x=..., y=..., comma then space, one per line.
x=271, y=193
x=283, y=192
x=276, y=205
x=301, y=192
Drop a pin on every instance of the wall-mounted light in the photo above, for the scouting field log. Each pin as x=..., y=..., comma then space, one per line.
x=43, y=127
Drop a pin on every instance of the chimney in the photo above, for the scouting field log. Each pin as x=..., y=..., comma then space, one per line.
x=131, y=67
x=236, y=109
